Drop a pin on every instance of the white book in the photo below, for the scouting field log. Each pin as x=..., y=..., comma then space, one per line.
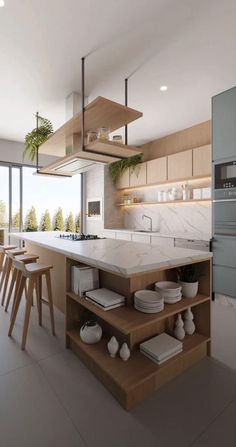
x=159, y=362
x=161, y=346
x=105, y=297
x=84, y=279
x=114, y=306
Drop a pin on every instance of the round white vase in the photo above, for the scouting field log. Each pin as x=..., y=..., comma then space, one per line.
x=189, y=289
x=113, y=347
x=91, y=332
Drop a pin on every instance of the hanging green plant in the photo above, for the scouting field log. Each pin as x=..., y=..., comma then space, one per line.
x=118, y=168
x=37, y=137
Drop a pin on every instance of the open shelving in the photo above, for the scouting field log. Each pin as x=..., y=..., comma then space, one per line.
x=164, y=202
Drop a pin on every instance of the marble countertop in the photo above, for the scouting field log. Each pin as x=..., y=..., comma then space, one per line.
x=122, y=257
x=189, y=236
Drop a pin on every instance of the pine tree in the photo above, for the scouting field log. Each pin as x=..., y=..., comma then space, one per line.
x=77, y=223
x=3, y=216
x=59, y=221
x=70, y=223
x=46, y=224
x=31, y=223
x=16, y=220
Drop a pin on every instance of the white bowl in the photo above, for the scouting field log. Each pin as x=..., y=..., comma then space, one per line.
x=148, y=296
x=168, y=288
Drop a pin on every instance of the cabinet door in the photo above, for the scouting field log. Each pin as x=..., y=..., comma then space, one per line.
x=162, y=241
x=123, y=236
x=123, y=180
x=138, y=176
x=145, y=238
x=180, y=165
x=223, y=125
x=157, y=170
x=202, y=160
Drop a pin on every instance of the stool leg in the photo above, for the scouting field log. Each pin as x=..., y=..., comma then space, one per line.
x=50, y=302
x=13, y=280
x=18, y=280
x=8, y=271
x=27, y=312
x=3, y=273
x=16, y=305
x=39, y=298
x=1, y=261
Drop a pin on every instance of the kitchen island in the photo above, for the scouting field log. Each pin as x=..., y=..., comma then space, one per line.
x=125, y=267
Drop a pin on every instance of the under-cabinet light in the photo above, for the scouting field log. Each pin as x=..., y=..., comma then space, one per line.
x=2, y=3
x=163, y=88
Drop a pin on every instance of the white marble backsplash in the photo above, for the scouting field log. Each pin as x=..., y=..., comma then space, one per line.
x=172, y=218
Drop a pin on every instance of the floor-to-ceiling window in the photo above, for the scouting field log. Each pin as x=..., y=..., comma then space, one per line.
x=10, y=200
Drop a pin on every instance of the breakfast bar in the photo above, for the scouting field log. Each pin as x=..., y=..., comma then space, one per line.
x=125, y=267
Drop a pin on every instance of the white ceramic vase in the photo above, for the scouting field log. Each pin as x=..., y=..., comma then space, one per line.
x=179, y=331
x=189, y=325
x=125, y=352
x=91, y=332
x=113, y=347
x=189, y=289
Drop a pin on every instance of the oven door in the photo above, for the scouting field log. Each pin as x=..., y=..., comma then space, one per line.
x=224, y=217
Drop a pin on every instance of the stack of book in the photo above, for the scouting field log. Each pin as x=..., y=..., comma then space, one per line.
x=161, y=348
x=105, y=299
x=83, y=279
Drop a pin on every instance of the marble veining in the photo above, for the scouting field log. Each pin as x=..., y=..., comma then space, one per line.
x=125, y=258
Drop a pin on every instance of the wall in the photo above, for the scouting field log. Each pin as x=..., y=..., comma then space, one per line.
x=12, y=152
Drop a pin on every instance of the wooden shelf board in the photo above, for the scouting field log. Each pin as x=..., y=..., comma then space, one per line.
x=127, y=319
x=101, y=112
x=168, y=182
x=106, y=146
x=137, y=369
x=165, y=202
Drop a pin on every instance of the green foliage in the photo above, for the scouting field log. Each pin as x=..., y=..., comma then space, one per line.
x=59, y=221
x=77, y=223
x=37, y=137
x=118, y=168
x=70, y=223
x=31, y=223
x=3, y=214
x=188, y=273
x=46, y=224
x=16, y=220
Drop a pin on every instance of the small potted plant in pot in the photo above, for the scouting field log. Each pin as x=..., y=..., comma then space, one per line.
x=188, y=277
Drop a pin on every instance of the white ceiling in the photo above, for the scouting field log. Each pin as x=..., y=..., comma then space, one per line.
x=188, y=45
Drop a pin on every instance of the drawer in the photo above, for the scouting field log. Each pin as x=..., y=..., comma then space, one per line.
x=123, y=236
x=224, y=251
x=224, y=280
x=162, y=241
x=144, y=238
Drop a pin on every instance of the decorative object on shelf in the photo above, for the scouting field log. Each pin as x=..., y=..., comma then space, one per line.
x=174, y=194
x=36, y=137
x=179, y=331
x=206, y=193
x=186, y=191
x=91, y=136
x=197, y=193
x=113, y=347
x=117, y=139
x=189, y=325
x=124, y=352
x=170, y=291
x=148, y=301
x=189, y=279
x=103, y=133
x=118, y=168
x=91, y=332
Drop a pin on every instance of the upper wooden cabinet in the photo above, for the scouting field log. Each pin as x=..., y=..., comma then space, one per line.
x=157, y=170
x=180, y=165
x=202, y=161
x=123, y=180
x=138, y=176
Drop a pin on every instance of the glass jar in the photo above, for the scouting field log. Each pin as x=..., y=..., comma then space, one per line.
x=91, y=136
x=117, y=139
x=103, y=133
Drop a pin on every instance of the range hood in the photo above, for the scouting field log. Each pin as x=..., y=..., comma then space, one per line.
x=65, y=143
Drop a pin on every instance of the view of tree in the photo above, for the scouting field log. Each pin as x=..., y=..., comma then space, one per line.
x=70, y=223
x=31, y=223
x=59, y=221
x=77, y=223
x=16, y=221
x=46, y=224
x=3, y=216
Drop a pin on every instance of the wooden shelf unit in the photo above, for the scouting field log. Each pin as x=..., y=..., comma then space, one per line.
x=101, y=112
x=165, y=202
x=130, y=382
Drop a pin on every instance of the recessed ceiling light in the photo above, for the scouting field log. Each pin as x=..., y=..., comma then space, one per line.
x=2, y=3
x=163, y=88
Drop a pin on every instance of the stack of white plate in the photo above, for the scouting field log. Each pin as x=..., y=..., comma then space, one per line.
x=170, y=291
x=148, y=301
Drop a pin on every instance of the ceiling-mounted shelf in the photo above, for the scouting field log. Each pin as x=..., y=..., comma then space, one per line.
x=106, y=146
x=101, y=112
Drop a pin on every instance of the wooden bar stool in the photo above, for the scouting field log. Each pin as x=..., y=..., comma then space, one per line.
x=10, y=254
x=34, y=272
x=16, y=276
x=3, y=249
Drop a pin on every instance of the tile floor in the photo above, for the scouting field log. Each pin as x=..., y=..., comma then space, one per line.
x=49, y=399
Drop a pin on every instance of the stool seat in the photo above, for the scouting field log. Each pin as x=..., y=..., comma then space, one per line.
x=36, y=268
x=3, y=248
x=26, y=258
x=15, y=252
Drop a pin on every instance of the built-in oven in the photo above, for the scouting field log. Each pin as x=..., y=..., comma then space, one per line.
x=225, y=181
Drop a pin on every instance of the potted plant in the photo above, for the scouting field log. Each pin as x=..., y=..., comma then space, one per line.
x=117, y=168
x=37, y=137
x=188, y=277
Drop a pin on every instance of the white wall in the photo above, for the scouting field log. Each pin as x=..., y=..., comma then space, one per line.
x=12, y=152
x=94, y=188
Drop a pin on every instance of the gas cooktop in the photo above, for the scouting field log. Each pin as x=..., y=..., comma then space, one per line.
x=79, y=236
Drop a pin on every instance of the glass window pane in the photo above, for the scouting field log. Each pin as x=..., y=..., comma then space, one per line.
x=15, y=213
x=4, y=202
